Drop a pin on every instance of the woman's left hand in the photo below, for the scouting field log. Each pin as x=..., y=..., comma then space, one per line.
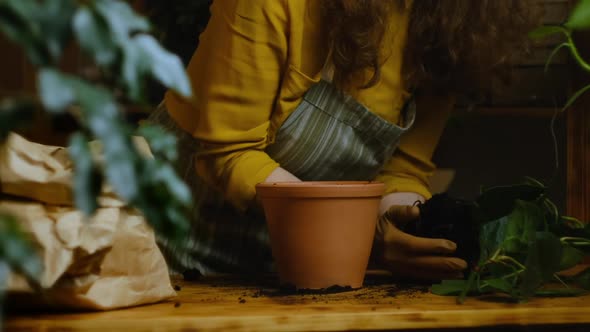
x=408, y=256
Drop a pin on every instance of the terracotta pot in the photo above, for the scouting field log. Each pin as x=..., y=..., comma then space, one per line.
x=321, y=233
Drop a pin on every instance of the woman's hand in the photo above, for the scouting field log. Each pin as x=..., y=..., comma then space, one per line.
x=408, y=256
x=281, y=175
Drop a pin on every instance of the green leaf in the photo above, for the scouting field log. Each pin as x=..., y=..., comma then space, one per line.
x=449, y=287
x=143, y=56
x=165, y=67
x=162, y=143
x=550, y=250
x=94, y=37
x=165, y=174
x=104, y=121
x=575, y=97
x=498, y=284
x=492, y=235
x=570, y=257
x=16, y=249
x=560, y=292
x=580, y=17
x=18, y=22
x=542, y=262
x=56, y=90
x=102, y=117
x=54, y=18
x=523, y=223
x=87, y=179
x=41, y=27
x=13, y=115
x=134, y=68
x=499, y=201
x=547, y=30
x=583, y=279
x=121, y=19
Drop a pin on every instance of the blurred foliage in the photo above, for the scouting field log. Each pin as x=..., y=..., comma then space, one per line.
x=177, y=25
x=124, y=57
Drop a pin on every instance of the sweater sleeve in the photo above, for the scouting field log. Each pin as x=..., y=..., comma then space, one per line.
x=235, y=73
x=411, y=166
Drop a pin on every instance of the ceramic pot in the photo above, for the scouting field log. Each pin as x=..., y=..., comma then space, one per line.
x=321, y=233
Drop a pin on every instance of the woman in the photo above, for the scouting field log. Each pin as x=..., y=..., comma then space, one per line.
x=290, y=90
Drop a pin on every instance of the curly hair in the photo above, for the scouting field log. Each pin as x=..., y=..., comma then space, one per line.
x=455, y=46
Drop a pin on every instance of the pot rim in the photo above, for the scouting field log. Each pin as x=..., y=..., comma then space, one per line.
x=321, y=189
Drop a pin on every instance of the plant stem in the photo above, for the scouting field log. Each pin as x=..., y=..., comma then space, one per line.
x=576, y=221
x=511, y=260
x=560, y=280
x=576, y=240
x=495, y=255
x=576, y=53
x=470, y=280
x=513, y=274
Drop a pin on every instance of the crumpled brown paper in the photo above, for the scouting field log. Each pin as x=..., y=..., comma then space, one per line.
x=107, y=262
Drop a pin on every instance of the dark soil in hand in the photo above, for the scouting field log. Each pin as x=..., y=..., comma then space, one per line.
x=453, y=219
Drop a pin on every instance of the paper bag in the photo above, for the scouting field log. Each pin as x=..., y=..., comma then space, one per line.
x=107, y=262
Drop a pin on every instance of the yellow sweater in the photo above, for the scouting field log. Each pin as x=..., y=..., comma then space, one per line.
x=254, y=63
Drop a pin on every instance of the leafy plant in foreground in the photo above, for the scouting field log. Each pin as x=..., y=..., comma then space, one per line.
x=122, y=56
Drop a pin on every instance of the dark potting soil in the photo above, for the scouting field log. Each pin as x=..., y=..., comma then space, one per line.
x=288, y=289
x=449, y=218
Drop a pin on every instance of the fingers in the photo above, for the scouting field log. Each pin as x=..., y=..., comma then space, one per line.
x=402, y=272
x=438, y=263
x=427, y=268
x=401, y=241
x=418, y=258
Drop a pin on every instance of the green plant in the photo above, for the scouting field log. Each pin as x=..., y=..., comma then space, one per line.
x=524, y=243
x=524, y=240
x=123, y=57
x=579, y=20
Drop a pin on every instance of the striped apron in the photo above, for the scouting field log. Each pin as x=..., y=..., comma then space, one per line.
x=330, y=136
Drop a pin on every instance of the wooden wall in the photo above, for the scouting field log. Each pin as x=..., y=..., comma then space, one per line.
x=578, y=142
x=532, y=90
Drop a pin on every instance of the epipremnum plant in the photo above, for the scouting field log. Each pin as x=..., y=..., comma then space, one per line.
x=524, y=241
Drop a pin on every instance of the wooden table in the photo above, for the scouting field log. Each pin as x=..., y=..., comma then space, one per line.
x=228, y=304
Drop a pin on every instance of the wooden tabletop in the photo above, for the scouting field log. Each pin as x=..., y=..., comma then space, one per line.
x=233, y=304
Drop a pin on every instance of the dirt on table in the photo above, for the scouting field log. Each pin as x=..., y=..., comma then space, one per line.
x=377, y=289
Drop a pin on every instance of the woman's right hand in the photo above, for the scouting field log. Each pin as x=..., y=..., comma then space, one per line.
x=281, y=175
x=411, y=257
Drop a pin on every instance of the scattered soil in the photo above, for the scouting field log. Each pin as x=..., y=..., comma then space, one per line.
x=177, y=304
x=292, y=290
x=192, y=275
x=377, y=290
